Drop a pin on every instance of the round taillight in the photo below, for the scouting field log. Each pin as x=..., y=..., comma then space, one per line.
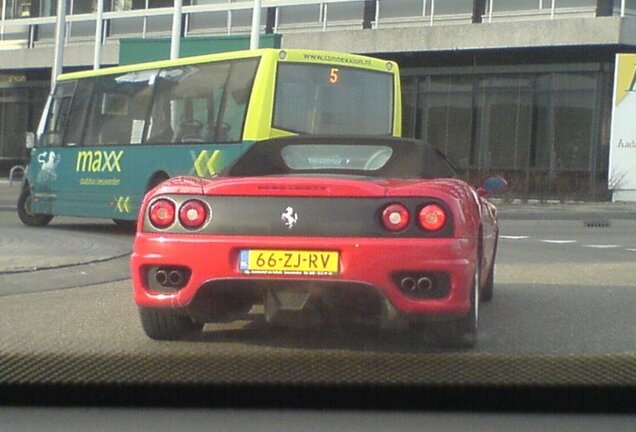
x=193, y=214
x=162, y=213
x=432, y=217
x=395, y=217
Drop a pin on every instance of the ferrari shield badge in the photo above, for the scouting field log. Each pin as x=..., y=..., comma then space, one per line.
x=289, y=217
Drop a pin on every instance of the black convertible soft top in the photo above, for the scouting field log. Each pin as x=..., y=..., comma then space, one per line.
x=383, y=157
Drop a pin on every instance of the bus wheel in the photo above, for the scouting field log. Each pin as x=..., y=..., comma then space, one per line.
x=167, y=324
x=24, y=210
x=126, y=225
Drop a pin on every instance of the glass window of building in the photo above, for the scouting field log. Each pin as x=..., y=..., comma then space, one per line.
x=575, y=3
x=450, y=7
x=516, y=5
x=543, y=130
x=565, y=112
x=630, y=6
x=446, y=119
x=504, y=110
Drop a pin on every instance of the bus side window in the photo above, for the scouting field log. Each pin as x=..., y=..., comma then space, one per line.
x=58, y=114
x=118, y=113
x=208, y=102
x=77, y=114
x=160, y=129
x=232, y=109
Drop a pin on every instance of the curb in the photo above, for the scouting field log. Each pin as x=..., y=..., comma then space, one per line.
x=19, y=270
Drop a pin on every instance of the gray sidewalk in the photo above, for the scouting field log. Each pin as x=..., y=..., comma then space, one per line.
x=584, y=211
x=9, y=194
x=79, y=246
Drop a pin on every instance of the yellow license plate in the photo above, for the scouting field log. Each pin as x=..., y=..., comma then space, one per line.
x=288, y=262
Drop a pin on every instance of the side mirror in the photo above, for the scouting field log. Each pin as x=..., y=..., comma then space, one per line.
x=493, y=186
x=29, y=140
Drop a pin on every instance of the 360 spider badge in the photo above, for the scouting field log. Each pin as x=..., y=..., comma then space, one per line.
x=289, y=217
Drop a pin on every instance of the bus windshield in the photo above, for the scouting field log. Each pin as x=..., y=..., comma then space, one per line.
x=314, y=98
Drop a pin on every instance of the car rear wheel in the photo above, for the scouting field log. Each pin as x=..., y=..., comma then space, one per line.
x=25, y=213
x=166, y=324
x=126, y=225
x=488, y=289
x=461, y=333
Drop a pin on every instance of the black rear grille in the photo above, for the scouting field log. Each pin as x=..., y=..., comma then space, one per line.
x=310, y=217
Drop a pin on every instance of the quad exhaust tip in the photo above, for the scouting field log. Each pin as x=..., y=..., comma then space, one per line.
x=162, y=277
x=408, y=284
x=174, y=277
x=422, y=284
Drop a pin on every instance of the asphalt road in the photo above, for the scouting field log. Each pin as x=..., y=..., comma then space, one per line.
x=561, y=288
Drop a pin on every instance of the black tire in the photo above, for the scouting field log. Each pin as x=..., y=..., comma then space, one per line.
x=126, y=225
x=488, y=290
x=24, y=210
x=166, y=324
x=156, y=180
x=461, y=333
x=131, y=225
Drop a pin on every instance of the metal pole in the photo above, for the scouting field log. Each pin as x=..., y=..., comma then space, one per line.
x=552, y=9
x=256, y=25
x=60, y=33
x=4, y=16
x=176, y=30
x=99, y=34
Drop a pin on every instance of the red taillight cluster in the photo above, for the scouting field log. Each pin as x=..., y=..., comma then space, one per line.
x=395, y=217
x=162, y=213
x=431, y=217
x=192, y=214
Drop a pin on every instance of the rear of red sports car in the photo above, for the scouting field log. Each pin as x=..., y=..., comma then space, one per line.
x=316, y=245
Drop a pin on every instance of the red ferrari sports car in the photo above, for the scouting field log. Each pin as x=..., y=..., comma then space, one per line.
x=332, y=229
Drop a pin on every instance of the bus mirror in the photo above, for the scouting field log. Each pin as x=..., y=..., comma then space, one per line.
x=30, y=140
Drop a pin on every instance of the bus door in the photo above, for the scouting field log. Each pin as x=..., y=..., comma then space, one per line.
x=53, y=159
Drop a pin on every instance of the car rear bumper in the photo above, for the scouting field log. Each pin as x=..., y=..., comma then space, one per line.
x=378, y=264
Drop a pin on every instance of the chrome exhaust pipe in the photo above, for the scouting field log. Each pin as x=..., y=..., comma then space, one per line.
x=161, y=276
x=408, y=284
x=175, y=278
x=424, y=283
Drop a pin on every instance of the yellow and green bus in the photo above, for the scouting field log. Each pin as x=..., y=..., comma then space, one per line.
x=108, y=136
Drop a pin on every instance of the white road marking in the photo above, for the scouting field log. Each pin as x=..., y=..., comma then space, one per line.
x=553, y=241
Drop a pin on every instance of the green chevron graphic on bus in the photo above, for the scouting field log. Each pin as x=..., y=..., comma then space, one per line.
x=123, y=204
x=207, y=163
